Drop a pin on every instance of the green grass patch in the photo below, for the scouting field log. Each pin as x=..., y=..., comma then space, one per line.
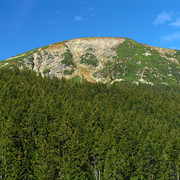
x=45, y=47
x=46, y=71
x=18, y=59
x=76, y=79
x=68, y=72
x=68, y=59
x=89, y=59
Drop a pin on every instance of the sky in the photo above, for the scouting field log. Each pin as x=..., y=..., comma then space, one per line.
x=29, y=24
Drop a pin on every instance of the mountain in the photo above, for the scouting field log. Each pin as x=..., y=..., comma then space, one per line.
x=53, y=128
x=105, y=59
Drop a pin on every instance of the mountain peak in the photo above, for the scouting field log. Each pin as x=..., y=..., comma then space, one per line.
x=104, y=59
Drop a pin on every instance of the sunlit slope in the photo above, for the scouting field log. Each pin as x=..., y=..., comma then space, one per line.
x=102, y=59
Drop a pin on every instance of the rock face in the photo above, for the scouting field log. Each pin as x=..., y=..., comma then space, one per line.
x=102, y=59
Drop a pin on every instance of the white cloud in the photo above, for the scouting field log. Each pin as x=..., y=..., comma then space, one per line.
x=163, y=17
x=174, y=36
x=176, y=23
x=80, y=18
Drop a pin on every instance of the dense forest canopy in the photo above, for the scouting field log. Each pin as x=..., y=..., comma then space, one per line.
x=59, y=129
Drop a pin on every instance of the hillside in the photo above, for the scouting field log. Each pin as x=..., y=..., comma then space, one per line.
x=102, y=60
x=57, y=129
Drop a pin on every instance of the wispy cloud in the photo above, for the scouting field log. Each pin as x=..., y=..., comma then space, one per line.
x=171, y=37
x=163, y=17
x=61, y=14
x=58, y=12
x=176, y=23
x=50, y=21
x=90, y=9
x=80, y=18
x=84, y=2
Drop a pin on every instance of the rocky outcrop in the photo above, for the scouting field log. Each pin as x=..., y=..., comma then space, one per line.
x=104, y=60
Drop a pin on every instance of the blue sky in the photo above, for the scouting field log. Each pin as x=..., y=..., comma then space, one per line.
x=28, y=24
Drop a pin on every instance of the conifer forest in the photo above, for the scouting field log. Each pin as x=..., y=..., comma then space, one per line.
x=54, y=128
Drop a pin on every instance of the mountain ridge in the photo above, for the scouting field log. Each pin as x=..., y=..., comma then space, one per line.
x=104, y=59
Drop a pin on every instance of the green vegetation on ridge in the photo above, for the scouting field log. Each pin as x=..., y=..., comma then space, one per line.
x=89, y=59
x=135, y=61
x=68, y=60
x=17, y=60
x=129, y=61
